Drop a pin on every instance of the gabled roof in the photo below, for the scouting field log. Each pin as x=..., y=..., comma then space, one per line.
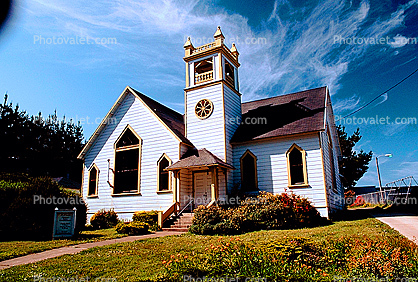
x=198, y=158
x=289, y=114
x=173, y=120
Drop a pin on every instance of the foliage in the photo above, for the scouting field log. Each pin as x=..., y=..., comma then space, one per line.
x=296, y=259
x=22, y=216
x=149, y=217
x=103, y=219
x=132, y=228
x=353, y=165
x=37, y=145
x=142, y=260
x=267, y=211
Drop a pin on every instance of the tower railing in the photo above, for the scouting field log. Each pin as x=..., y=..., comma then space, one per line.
x=203, y=77
x=204, y=47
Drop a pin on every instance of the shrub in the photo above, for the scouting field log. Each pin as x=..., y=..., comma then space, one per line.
x=104, y=219
x=149, y=217
x=23, y=218
x=267, y=211
x=132, y=228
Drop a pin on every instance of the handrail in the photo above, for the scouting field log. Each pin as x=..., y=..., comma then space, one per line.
x=211, y=203
x=186, y=206
x=162, y=216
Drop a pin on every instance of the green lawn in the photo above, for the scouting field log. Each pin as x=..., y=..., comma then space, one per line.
x=142, y=260
x=12, y=249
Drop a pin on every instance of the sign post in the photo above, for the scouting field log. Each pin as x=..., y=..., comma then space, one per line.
x=64, y=223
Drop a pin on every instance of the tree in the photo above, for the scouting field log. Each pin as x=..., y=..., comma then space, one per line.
x=39, y=146
x=353, y=165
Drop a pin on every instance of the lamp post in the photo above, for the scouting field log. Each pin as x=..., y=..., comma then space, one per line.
x=378, y=172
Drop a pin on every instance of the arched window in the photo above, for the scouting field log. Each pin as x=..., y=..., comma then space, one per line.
x=296, y=164
x=127, y=162
x=93, y=180
x=163, y=175
x=249, y=172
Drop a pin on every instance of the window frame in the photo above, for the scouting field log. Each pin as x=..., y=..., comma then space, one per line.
x=304, y=167
x=248, y=152
x=126, y=148
x=96, y=192
x=170, y=180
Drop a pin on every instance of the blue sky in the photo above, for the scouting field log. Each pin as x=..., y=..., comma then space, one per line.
x=285, y=46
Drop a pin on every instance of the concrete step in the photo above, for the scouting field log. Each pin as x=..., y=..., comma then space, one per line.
x=176, y=229
x=180, y=226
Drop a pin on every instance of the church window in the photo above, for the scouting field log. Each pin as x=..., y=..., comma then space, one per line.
x=296, y=163
x=127, y=162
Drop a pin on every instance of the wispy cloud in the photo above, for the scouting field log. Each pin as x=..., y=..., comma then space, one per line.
x=407, y=169
x=346, y=104
x=292, y=52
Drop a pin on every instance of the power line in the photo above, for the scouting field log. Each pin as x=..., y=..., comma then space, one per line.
x=378, y=96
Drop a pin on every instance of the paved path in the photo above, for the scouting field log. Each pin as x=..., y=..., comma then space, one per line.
x=406, y=224
x=69, y=250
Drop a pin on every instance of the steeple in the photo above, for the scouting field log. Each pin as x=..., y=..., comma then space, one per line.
x=212, y=97
x=211, y=62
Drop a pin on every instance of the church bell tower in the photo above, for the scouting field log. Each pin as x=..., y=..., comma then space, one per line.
x=212, y=98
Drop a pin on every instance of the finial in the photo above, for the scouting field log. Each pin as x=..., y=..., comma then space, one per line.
x=218, y=32
x=188, y=42
x=234, y=50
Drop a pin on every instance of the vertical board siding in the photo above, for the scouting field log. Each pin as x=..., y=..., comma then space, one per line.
x=186, y=189
x=272, y=170
x=156, y=140
x=207, y=133
x=335, y=198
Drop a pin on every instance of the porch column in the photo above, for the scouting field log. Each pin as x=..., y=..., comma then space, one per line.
x=175, y=196
x=214, y=187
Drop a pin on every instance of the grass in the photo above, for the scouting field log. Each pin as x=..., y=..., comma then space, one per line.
x=12, y=249
x=142, y=260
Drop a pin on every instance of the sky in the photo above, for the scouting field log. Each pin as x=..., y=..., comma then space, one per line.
x=359, y=49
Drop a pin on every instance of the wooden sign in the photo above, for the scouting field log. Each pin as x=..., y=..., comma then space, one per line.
x=64, y=223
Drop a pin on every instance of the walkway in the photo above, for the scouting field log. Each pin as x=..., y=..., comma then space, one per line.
x=69, y=250
x=406, y=224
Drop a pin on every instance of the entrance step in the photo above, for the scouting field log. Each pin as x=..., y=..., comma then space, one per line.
x=181, y=224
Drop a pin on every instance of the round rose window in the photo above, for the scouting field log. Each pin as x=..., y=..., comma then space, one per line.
x=204, y=108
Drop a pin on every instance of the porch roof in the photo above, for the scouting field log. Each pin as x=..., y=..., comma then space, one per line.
x=198, y=158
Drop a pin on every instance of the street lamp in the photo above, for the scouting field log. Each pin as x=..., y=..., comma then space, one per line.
x=378, y=172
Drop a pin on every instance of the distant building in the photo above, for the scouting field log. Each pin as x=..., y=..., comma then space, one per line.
x=146, y=156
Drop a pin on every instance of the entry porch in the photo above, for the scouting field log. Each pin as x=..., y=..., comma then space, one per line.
x=200, y=179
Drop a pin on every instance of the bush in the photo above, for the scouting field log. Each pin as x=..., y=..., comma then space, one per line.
x=132, y=228
x=22, y=217
x=149, y=217
x=104, y=219
x=267, y=211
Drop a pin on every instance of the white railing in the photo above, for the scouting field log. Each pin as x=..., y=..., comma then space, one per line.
x=203, y=77
x=204, y=48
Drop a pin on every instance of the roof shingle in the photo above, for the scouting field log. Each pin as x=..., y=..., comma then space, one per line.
x=283, y=115
x=198, y=158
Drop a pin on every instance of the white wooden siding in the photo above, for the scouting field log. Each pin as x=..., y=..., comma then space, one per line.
x=207, y=133
x=335, y=198
x=156, y=140
x=186, y=189
x=272, y=167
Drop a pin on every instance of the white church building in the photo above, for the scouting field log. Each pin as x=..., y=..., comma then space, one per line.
x=151, y=157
